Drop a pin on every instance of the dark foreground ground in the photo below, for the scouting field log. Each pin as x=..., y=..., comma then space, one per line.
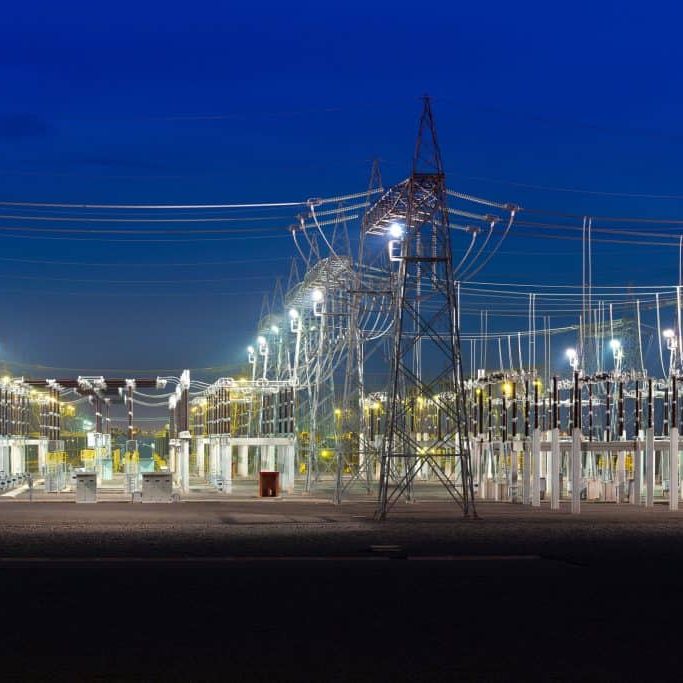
x=303, y=590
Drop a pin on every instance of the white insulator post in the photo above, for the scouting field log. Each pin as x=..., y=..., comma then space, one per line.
x=199, y=456
x=5, y=454
x=497, y=495
x=362, y=462
x=474, y=460
x=214, y=445
x=536, y=468
x=576, y=471
x=243, y=461
x=486, y=470
x=289, y=468
x=637, y=472
x=226, y=464
x=269, y=463
x=650, y=467
x=621, y=476
x=184, y=464
x=286, y=471
x=17, y=457
x=555, y=461
x=674, y=472
x=475, y=450
x=42, y=455
x=172, y=456
x=525, y=448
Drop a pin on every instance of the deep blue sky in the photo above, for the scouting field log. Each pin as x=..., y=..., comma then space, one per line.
x=220, y=102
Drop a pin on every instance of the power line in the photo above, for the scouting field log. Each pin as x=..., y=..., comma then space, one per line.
x=145, y=263
x=129, y=231
x=574, y=190
x=166, y=294
x=578, y=287
x=155, y=207
x=144, y=240
x=151, y=207
x=100, y=219
x=127, y=281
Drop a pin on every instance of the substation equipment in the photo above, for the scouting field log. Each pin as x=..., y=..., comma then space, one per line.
x=355, y=385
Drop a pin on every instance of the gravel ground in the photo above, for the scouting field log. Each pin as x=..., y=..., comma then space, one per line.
x=602, y=533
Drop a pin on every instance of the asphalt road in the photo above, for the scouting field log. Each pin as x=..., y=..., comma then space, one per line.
x=303, y=590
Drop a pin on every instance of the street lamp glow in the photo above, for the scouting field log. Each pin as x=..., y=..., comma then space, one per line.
x=261, y=341
x=250, y=349
x=571, y=354
x=275, y=329
x=668, y=334
x=317, y=295
x=615, y=344
x=396, y=230
x=293, y=313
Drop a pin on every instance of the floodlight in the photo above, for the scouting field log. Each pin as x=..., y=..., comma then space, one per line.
x=396, y=230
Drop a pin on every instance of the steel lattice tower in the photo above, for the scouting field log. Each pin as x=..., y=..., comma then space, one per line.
x=426, y=363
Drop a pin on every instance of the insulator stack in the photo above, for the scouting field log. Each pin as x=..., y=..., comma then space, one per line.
x=286, y=411
x=650, y=405
x=556, y=404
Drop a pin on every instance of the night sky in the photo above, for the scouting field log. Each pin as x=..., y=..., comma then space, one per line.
x=568, y=107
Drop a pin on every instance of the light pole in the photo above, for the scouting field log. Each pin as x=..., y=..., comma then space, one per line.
x=263, y=351
x=251, y=356
x=295, y=327
x=318, y=299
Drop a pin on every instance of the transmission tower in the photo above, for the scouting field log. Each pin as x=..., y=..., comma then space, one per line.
x=425, y=327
